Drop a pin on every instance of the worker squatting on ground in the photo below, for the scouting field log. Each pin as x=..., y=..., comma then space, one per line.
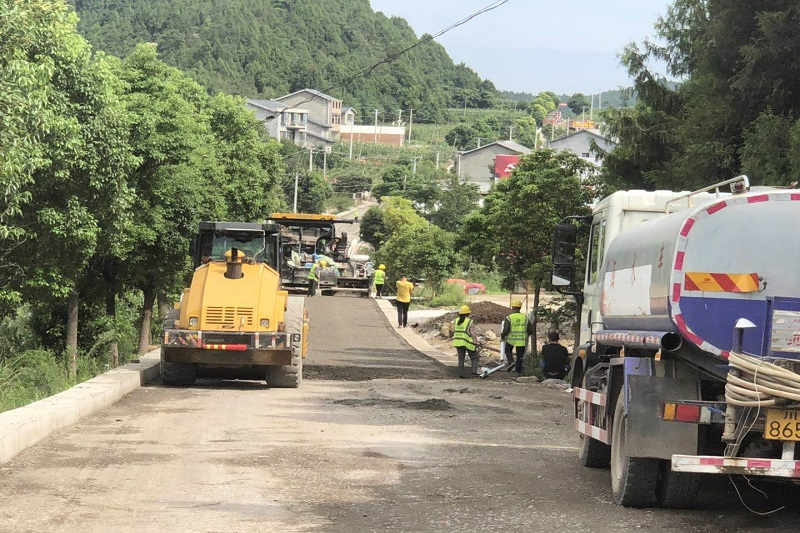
x=555, y=358
x=515, y=332
x=465, y=341
x=313, y=279
x=404, y=290
x=380, y=279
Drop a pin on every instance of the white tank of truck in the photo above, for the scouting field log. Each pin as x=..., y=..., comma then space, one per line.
x=696, y=272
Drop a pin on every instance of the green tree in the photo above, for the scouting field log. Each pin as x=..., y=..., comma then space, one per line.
x=578, y=102
x=458, y=199
x=521, y=212
x=75, y=201
x=399, y=214
x=251, y=161
x=373, y=228
x=421, y=251
x=312, y=191
x=179, y=180
x=738, y=63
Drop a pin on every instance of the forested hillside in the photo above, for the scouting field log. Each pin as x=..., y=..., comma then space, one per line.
x=268, y=48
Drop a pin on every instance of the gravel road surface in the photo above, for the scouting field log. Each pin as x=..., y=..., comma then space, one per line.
x=377, y=439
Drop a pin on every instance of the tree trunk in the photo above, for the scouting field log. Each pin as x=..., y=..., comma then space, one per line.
x=537, y=289
x=72, y=332
x=147, y=320
x=163, y=304
x=111, y=311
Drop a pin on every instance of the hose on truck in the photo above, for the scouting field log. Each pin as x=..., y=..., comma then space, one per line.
x=760, y=383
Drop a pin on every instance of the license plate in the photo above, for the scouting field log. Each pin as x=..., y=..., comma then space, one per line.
x=782, y=424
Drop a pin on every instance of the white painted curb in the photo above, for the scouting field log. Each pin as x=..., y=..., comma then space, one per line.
x=412, y=338
x=23, y=427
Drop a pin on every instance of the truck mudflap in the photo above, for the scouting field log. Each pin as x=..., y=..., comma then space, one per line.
x=228, y=348
x=786, y=467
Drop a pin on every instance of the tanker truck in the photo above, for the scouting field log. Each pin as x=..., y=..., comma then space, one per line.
x=688, y=358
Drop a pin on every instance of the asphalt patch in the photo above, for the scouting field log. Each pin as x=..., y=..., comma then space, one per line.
x=431, y=404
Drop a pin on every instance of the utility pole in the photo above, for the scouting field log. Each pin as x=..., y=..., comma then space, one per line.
x=414, y=161
x=310, y=159
x=376, y=126
x=296, y=179
x=410, y=123
x=591, y=109
x=400, y=118
x=404, y=182
x=510, y=131
x=352, y=127
x=479, y=142
x=437, y=159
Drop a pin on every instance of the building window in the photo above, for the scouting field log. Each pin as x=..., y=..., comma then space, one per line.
x=585, y=154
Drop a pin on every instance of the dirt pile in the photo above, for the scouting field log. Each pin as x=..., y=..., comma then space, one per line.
x=482, y=313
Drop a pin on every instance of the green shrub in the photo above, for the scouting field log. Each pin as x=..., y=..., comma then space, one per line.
x=338, y=203
x=449, y=295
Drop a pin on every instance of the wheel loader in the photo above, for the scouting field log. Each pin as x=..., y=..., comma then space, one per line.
x=234, y=321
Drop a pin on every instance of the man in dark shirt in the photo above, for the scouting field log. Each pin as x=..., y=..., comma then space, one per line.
x=555, y=358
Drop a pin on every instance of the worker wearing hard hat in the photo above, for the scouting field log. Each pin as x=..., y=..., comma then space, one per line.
x=515, y=332
x=465, y=341
x=313, y=279
x=380, y=279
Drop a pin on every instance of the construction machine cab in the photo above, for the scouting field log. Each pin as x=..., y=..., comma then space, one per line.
x=258, y=242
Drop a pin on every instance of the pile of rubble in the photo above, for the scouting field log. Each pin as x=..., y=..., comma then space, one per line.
x=487, y=313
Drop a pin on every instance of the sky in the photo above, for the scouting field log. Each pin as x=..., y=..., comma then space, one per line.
x=564, y=46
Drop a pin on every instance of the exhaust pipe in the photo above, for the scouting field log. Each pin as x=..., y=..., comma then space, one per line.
x=233, y=259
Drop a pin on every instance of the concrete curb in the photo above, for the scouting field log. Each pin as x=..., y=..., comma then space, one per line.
x=413, y=339
x=23, y=427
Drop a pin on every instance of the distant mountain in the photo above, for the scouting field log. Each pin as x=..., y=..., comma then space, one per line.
x=267, y=48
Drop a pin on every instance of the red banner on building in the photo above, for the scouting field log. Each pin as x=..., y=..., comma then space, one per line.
x=504, y=165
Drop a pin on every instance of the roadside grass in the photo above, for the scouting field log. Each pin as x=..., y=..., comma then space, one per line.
x=37, y=374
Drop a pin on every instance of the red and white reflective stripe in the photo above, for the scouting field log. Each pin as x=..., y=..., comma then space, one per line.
x=592, y=431
x=680, y=253
x=710, y=464
x=594, y=398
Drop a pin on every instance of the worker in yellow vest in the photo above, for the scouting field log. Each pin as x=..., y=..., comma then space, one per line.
x=380, y=279
x=515, y=332
x=313, y=279
x=465, y=341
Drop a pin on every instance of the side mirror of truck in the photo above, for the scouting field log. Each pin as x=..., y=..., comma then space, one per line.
x=565, y=239
x=562, y=276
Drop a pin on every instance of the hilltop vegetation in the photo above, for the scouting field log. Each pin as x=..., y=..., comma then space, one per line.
x=274, y=47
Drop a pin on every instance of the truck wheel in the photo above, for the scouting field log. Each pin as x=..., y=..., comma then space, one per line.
x=178, y=374
x=290, y=376
x=172, y=316
x=592, y=452
x=677, y=490
x=633, y=479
